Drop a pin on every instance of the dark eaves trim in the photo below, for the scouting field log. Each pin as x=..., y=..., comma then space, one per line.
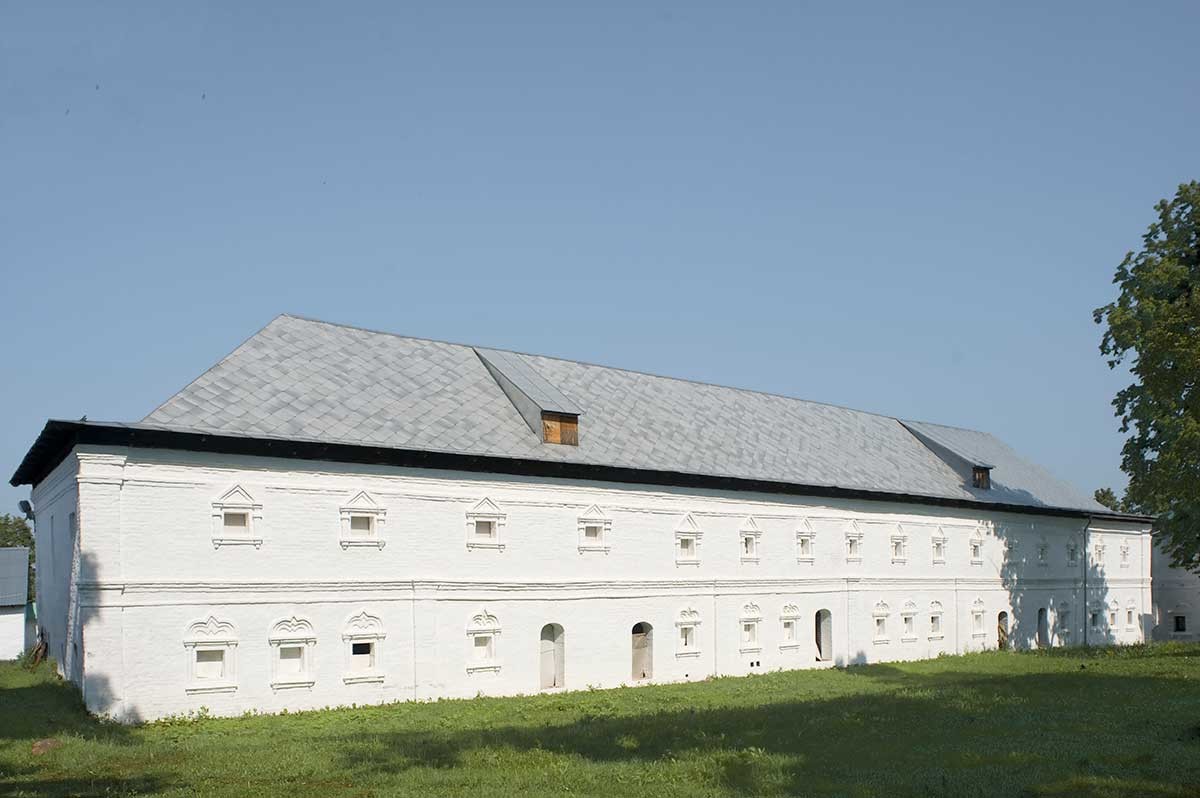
x=58, y=438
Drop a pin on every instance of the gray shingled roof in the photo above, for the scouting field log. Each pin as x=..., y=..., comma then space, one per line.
x=311, y=380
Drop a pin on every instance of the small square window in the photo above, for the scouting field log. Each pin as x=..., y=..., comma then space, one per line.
x=291, y=660
x=789, y=631
x=935, y=624
x=362, y=656
x=236, y=522
x=362, y=525
x=210, y=664
x=1180, y=624
x=485, y=530
x=483, y=647
x=591, y=533
x=687, y=548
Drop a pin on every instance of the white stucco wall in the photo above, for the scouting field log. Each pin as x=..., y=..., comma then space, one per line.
x=1176, y=593
x=12, y=632
x=148, y=569
x=56, y=501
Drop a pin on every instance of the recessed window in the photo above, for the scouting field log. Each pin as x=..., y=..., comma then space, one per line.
x=751, y=615
x=881, y=614
x=483, y=633
x=1112, y=618
x=362, y=637
x=687, y=548
x=1043, y=553
x=977, y=627
x=881, y=627
x=485, y=525
x=211, y=645
x=688, y=633
x=1072, y=553
x=293, y=640
x=236, y=519
x=594, y=527
x=749, y=546
x=976, y=552
x=687, y=541
x=210, y=664
x=1095, y=619
x=981, y=477
x=789, y=631
x=909, y=627
x=749, y=634
x=1180, y=624
x=748, y=535
x=804, y=548
x=939, y=550
x=1124, y=555
x=899, y=548
x=1129, y=618
x=854, y=547
x=935, y=624
x=790, y=619
x=362, y=525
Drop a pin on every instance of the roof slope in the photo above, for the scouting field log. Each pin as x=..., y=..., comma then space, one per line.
x=310, y=380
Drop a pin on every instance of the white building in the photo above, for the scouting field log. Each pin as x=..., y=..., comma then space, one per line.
x=332, y=516
x=14, y=592
x=1176, y=600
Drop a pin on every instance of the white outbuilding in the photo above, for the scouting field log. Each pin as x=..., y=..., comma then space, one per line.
x=332, y=515
x=14, y=591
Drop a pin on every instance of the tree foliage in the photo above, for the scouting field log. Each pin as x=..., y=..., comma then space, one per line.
x=1109, y=499
x=15, y=531
x=1153, y=328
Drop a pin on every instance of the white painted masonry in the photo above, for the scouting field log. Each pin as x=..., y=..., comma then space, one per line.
x=1176, y=600
x=156, y=607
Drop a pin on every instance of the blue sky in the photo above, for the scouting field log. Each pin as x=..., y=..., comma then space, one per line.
x=906, y=210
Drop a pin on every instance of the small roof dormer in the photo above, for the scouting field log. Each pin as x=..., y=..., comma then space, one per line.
x=550, y=414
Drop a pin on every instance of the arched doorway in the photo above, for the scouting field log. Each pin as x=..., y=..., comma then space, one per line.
x=1043, y=628
x=552, y=656
x=823, y=632
x=1002, y=630
x=642, y=642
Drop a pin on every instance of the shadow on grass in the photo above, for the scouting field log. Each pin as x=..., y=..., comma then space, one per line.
x=43, y=705
x=970, y=734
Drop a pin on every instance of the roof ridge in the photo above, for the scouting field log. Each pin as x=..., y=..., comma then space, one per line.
x=689, y=380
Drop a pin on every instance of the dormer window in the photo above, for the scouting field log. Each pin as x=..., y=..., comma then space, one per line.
x=560, y=428
x=981, y=477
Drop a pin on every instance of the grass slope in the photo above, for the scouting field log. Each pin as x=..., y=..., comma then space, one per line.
x=1114, y=722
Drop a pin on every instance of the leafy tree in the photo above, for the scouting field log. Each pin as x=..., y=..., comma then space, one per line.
x=14, y=531
x=1154, y=328
x=1109, y=499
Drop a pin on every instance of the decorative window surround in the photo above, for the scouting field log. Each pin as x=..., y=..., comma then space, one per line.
x=1113, y=609
x=1130, y=614
x=1043, y=554
x=363, y=629
x=976, y=550
x=790, y=614
x=978, y=628
x=594, y=530
x=899, y=547
x=750, y=621
x=687, y=553
x=748, y=536
x=939, y=542
x=483, y=634
x=1096, y=614
x=805, y=538
x=1099, y=550
x=908, y=620
x=936, y=616
x=1179, y=620
x=1012, y=548
x=486, y=515
x=854, y=537
x=687, y=636
x=237, y=504
x=201, y=641
x=292, y=633
x=1124, y=554
x=880, y=615
x=1073, y=553
x=362, y=506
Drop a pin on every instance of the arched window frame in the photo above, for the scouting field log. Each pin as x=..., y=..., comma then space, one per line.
x=237, y=501
x=483, y=643
x=750, y=629
x=908, y=622
x=689, y=619
x=211, y=634
x=790, y=614
x=363, y=628
x=292, y=632
x=937, y=629
x=880, y=615
x=362, y=505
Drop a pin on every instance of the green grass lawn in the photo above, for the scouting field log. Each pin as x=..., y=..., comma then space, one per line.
x=1115, y=722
